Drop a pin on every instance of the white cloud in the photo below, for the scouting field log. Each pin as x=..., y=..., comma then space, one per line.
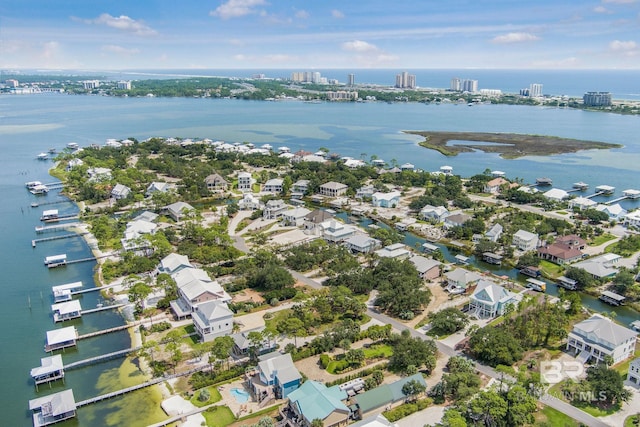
x=359, y=46
x=302, y=14
x=239, y=57
x=50, y=50
x=618, y=45
x=119, y=50
x=237, y=8
x=601, y=9
x=122, y=22
x=337, y=14
x=515, y=38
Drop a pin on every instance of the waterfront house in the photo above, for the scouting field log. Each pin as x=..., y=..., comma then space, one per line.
x=494, y=233
x=460, y=279
x=336, y=232
x=61, y=338
x=216, y=183
x=274, y=209
x=134, y=240
x=179, y=210
x=556, y=194
x=525, y=241
x=295, y=216
x=602, y=266
x=456, y=220
x=99, y=174
x=428, y=268
x=564, y=250
x=249, y=202
x=53, y=408
x=495, y=185
x=354, y=163
x=162, y=187
x=120, y=192
x=333, y=189
x=273, y=186
x=490, y=300
x=407, y=167
x=245, y=182
x=300, y=188
x=212, y=319
x=50, y=369
x=277, y=376
x=396, y=251
x=362, y=243
x=633, y=374
x=434, y=213
x=314, y=400
x=599, y=336
x=615, y=212
x=74, y=163
x=313, y=220
x=581, y=203
x=365, y=192
x=385, y=200
x=194, y=288
x=632, y=219
x=173, y=263
x=384, y=395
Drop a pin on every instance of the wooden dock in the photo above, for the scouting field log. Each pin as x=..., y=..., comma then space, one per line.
x=84, y=291
x=101, y=358
x=103, y=308
x=108, y=331
x=45, y=228
x=54, y=202
x=34, y=242
x=60, y=218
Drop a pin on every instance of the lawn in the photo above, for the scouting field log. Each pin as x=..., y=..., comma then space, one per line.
x=218, y=416
x=632, y=421
x=378, y=351
x=554, y=417
x=550, y=269
x=603, y=238
x=214, y=396
x=623, y=367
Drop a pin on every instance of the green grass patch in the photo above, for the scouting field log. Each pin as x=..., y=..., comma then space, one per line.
x=603, y=238
x=378, y=351
x=623, y=367
x=271, y=410
x=219, y=416
x=214, y=396
x=598, y=412
x=632, y=421
x=554, y=418
x=550, y=269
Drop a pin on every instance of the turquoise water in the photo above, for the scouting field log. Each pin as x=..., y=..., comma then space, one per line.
x=240, y=395
x=32, y=124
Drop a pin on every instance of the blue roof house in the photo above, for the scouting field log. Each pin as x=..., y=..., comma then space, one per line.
x=278, y=376
x=313, y=400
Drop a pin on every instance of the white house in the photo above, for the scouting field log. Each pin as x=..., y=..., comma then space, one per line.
x=365, y=191
x=120, y=192
x=633, y=375
x=601, y=266
x=336, y=231
x=490, y=300
x=460, y=279
x=428, y=268
x=73, y=163
x=494, y=233
x=249, y=202
x=274, y=209
x=525, y=241
x=194, y=288
x=362, y=243
x=632, y=219
x=179, y=210
x=212, y=319
x=599, y=336
x=299, y=188
x=456, y=220
x=615, y=212
x=556, y=194
x=333, y=189
x=494, y=185
x=173, y=263
x=99, y=174
x=245, y=182
x=434, y=213
x=216, y=183
x=582, y=203
x=396, y=250
x=313, y=220
x=273, y=185
x=162, y=187
x=385, y=200
x=295, y=216
x=407, y=167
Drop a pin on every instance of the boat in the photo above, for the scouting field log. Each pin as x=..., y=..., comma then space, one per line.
x=52, y=150
x=530, y=271
x=42, y=156
x=39, y=189
x=31, y=184
x=536, y=285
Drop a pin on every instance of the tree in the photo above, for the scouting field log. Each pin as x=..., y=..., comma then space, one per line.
x=293, y=327
x=495, y=346
x=355, y=357
x=607, y=384
x=452, y=418
x=488, y=407
x=408, y=351
x=137, y=294
x=317, y=422
x=448, y=321
x=400, y=289
x=255, y=343
x=265, y=422
x=221, y=348
x=412, y=389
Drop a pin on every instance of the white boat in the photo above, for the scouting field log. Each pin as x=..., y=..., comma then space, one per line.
x=42, y=156
x=32, y=184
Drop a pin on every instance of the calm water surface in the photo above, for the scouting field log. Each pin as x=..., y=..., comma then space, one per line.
x=32, y=124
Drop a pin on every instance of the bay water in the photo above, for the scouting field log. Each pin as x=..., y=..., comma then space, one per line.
x=31, y=124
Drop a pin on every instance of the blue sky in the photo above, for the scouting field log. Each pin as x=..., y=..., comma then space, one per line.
x=255, y=34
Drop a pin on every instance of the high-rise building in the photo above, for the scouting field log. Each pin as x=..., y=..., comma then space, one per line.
x=456, y=84
x=351, y=80
x=12, y=83
x=597, y=99
x=405, y=80
x=468, y=85
x=535, y=90
x=124, y=85
x=90, y=84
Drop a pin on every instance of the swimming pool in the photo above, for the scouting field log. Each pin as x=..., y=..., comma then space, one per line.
x=240, y=395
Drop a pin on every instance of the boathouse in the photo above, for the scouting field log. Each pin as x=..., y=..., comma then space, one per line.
x=567, y=283
x=66, y=310
x=492, y=258
x=53, y=408
x=49, y=215
x=51, y=369
x=61, y=338
x=55, y=260
x=612, y=298
x=62, y=293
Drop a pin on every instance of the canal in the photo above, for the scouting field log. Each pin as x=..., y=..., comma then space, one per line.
x=624, y=315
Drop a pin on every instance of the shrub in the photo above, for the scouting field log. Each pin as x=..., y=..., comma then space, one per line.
x=407, y=409
x=204, y=395
x=324, y=361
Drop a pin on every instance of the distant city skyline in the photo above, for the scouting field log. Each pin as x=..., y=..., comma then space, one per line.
x=262, y=34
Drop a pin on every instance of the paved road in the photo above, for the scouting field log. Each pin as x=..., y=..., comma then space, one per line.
x=546, y=399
